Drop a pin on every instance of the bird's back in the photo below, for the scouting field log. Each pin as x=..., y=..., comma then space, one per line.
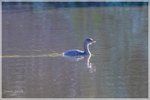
x=73, y=52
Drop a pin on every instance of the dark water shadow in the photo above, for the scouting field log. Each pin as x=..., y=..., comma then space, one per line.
x=55, y=5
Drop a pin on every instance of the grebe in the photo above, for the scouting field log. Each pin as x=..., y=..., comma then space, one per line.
x=75, y=52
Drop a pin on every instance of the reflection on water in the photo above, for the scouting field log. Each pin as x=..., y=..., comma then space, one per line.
x=34, y=38
x=90, y=65
x=42, y=77
x=87, y=58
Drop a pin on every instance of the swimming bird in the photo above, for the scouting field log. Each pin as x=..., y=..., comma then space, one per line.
x=76, y=52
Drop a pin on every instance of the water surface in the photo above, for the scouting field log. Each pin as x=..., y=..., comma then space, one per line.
x=33, y=40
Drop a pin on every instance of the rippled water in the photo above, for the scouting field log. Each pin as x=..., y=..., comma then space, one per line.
x=33, y=41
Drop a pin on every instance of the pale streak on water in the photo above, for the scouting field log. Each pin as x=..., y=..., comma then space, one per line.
x=32, y=64
x=29, y=56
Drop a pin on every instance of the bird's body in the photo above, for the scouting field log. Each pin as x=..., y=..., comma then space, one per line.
x=76, y=52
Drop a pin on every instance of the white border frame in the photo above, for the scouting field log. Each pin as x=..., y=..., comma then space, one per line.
x=72, y=1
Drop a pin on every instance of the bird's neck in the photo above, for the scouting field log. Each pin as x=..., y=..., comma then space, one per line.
x=86, y=49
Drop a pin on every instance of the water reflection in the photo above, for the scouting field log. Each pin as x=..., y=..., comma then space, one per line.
x=30, y=68
x=87, y=59
x=90, y=65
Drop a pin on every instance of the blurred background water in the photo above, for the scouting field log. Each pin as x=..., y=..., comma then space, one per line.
x=35, y=34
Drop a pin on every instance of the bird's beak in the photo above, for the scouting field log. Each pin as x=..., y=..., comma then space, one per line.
x=94, y=41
